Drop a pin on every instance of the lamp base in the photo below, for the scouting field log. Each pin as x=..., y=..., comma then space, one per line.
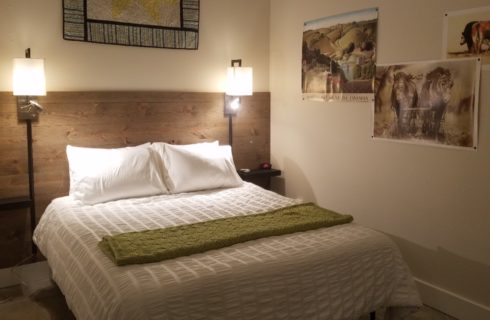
x=26, y=110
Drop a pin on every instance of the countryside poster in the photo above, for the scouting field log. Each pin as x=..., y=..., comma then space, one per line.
x=339, y=57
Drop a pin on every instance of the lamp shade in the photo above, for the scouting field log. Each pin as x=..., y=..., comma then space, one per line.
x=239, y=81
x=29, y=78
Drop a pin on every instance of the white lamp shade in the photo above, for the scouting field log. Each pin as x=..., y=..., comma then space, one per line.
x=239, y=82
x=29, y=78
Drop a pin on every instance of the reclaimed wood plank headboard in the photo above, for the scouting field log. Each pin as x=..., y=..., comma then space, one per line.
x=112, y=119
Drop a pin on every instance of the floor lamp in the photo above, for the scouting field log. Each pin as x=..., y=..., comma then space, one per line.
x=28, y=82
x=239, y=83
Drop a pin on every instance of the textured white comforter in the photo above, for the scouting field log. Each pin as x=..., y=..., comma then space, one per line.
x=340, y=272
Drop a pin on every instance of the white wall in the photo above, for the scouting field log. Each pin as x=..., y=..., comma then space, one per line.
x=434, y=202
x=228, y=30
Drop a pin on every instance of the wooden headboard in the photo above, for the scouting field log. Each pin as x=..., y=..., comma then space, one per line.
x=112, y=119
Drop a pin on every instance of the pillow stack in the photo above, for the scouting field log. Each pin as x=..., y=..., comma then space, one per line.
x=197, y=167
x=101, y=175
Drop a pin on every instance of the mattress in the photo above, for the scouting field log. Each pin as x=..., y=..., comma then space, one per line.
x=341, y=272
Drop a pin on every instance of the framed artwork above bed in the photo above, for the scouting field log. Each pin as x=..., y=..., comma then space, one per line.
x=170, y=24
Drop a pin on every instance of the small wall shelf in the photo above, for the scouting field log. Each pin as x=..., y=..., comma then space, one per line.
x=260, y=177
x=15, y=203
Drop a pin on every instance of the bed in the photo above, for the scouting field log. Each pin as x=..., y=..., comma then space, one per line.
x=340, y=272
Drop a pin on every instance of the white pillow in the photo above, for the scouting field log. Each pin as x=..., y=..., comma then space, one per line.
x=187, y=169
x=200, y=148
x=100, y=175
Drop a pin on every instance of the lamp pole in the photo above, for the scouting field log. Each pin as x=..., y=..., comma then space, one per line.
x=30, y=167
x=234, y=63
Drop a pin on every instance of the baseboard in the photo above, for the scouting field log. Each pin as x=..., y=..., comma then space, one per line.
x=7, y=278
x=451, y=303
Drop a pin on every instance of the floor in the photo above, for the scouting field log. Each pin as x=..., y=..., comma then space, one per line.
x=51, y=305
x=48, y=305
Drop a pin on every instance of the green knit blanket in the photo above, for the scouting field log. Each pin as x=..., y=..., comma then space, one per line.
x=168, y=243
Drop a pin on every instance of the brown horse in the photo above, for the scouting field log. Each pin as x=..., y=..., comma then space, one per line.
x=467, y=38
x=480, y=32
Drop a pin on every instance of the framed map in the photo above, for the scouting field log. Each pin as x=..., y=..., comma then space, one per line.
x=159, y=23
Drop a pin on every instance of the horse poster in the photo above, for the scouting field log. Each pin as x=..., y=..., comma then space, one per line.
x=339, y=57
x=433, y=102
x=467, y=34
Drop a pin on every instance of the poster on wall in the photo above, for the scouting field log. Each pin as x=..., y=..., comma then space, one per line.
x=339, y=57
x=467, y=34
x=433, y=102
x=140, y=23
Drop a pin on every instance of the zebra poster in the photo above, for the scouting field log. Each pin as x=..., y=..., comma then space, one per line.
x=433, y=102
x=339, y=57
x=467, y=34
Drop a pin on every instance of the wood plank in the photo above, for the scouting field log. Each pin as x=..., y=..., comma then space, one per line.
x=110, y=120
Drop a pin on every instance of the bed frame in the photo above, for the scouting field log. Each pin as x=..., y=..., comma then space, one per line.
x=112, y=119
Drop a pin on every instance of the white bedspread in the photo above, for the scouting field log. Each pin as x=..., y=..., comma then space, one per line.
x=340, y=272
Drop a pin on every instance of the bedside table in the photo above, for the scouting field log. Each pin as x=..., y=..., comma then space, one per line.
x=260, y=177
x=24, y=202
x=15, y=203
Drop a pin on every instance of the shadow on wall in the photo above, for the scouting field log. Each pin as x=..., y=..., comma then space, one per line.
x=293, y=182
x=442, y=268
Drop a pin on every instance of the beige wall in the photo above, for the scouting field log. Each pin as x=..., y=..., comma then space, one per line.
x=228, y=30
x=435, y=202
